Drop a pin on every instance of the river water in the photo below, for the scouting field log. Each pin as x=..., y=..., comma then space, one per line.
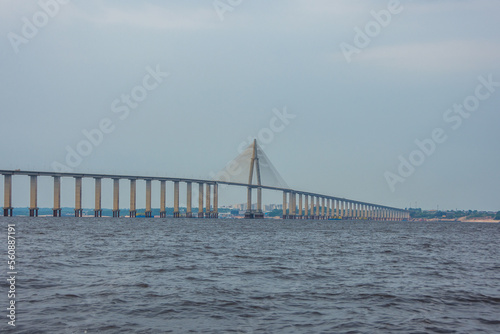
x=104, y=275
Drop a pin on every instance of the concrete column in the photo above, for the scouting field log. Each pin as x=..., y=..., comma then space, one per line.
x=116, y=198
x=301, y=216
x=311, y=216
x=249, y=213
x=177, y=213
x=7, y=195
x=285, y=215
x=133, y=198
x=163, y=199
x=306, y=206
x=200, y=200
x=208, y=208
x=317, y=207
x=56, y=211
x=294, y=209
x=189, y=199
x=78, y=197
x=33, y=196
x=259, y=214
x=322, y=208
x=149, y=212
x=216, y=201
x=97, y=197
x=291, y=205
x=329, y=208
x=337, y=203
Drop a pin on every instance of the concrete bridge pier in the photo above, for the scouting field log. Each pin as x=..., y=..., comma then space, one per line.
x=306, y=206
x=300, y=215
x=56, y=211
x=292, y=204
x=216, y=202
x=7, y=198
x=249, y=213
x=285, y=214
x=200, y=200
x=322, y=208
x=133, y=198
x=259, y=214
x=97, y=207
x=328, y=208
x=318, y=204
x=177, y=213
x=189, y=198
x=163, y=199
x=311, y=207
x=116, y=197
x=149, y=212
x=208, y=200
x=78, y=197
x=33, y=196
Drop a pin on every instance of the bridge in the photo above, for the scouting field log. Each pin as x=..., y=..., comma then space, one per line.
x=309, y=206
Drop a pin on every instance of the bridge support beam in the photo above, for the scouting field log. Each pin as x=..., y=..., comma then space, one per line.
x=311, y=214
x=300, y=215
x=249, y=213
x=56, y=211
x=292, y=205
x=98, y=197
x=149, y=212
x=33, y=196
x=133, y=198
x=200, y=200
x=177, y=213
x=285, y=215
x=259, y=213
x=189, y=199
x=306, y=206
x=7, y=198
x=328, y=208
x=163, y=199
x=116, y=197
x=208, y=201
x=78, y=197
x=216, y=201
x=318, y=204
x=322, y=208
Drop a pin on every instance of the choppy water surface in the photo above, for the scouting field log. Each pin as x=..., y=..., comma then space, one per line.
x=233, y=276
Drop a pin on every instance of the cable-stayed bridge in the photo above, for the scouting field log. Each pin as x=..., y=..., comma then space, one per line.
x=252, y=169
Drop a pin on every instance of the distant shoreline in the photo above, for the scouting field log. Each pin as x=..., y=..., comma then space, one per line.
x=460, y=220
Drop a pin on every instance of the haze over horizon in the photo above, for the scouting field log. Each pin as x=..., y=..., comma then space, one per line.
x=394, y=104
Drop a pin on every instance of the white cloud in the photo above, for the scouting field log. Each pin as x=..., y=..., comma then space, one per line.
x=436, y=56
x=147, y=16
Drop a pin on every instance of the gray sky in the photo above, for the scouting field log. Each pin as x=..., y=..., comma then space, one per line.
x=356, y=102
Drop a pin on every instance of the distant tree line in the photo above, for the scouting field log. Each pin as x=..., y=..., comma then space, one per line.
x=419, y=213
